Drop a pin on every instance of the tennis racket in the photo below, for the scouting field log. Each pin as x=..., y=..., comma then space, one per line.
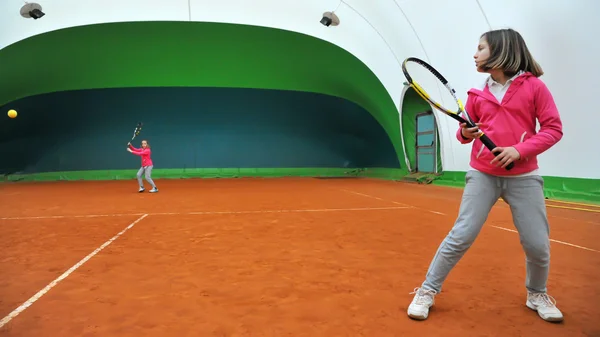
x=137, y=131
x=423, y=70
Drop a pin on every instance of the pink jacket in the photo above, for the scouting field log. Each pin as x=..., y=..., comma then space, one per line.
x=144, y=153
x=513, y=123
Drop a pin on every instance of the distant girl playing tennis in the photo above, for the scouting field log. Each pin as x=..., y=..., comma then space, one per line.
x=506, y=107
x=147, y=165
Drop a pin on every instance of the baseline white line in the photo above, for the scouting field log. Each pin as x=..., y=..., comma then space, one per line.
x=502, y=228
x=211, y=212
x=300, y=210
x=68, y=216
x=557, y=241
x=284, y=211
x=595, y=223
x=52, y=284
x=394, y=202
x=372, y=197
x=575, y=208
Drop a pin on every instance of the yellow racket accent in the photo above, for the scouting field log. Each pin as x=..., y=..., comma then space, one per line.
x=420, y=91
x=426, y=97
x=461, y=107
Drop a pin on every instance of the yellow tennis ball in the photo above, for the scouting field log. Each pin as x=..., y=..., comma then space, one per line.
x=12, y=113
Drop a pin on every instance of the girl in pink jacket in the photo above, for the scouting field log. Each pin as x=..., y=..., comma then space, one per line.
x=506, y=106
x=147, y=165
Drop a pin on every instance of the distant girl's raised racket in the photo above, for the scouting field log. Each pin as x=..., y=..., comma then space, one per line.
x=429, y=77
x=137, y=131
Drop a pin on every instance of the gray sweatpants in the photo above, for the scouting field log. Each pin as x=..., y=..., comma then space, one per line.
x=526, y=199
x=148, y=175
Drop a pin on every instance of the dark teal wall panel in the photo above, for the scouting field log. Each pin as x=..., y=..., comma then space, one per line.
x=191, y=127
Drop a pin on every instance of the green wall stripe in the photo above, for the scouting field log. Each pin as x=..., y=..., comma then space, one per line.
x=563, y=188
x=560, y=188
x=334, y=172
x=151, y=54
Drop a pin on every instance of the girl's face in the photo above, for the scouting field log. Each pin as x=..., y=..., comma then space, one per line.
x=482, y=54
x=144, y=144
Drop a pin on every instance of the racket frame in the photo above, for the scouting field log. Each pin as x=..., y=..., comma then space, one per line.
x=454, y=114
x=137, y=131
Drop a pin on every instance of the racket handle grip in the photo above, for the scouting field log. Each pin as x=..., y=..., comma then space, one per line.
x=490, y=145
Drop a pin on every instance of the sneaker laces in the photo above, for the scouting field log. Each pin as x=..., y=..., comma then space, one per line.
x=422, y=294
x=543, y=299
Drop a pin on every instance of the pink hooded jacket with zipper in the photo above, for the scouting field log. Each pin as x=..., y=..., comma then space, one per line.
x=513, y=123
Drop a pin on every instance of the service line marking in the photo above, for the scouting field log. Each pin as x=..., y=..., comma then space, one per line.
x=52, y=284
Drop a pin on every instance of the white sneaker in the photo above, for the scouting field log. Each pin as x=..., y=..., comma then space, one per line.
x=545, y=306
x=154, y=190
x=141, y=190
x=423, y=300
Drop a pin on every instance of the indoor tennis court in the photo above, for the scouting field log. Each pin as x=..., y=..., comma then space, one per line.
x=309, y=160
x=247, y=257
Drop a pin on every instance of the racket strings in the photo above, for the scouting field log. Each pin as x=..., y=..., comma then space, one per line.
x=434, y=73
x=432, y=86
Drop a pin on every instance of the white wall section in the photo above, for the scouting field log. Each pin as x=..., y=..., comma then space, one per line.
x=443, y=32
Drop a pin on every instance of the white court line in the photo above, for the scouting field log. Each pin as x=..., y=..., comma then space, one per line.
x=52, y=284
x=394, y=202
x=506, y=229
x=561, y=242
x=368, y=196
x=69, y=216
x=282, y=211
x=302, y=210
x=210, y=212
x=578, y=221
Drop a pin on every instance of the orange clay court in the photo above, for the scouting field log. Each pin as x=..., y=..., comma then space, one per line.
x=274, y=257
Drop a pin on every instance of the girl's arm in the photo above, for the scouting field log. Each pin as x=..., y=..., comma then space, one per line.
x=133, y=148
x=140, y=152
x=550, y=124
x=469, y=107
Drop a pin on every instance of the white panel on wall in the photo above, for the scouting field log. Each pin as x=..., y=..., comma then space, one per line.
x=562, y=36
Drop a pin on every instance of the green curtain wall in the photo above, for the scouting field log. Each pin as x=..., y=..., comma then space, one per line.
x=573, y=189
x=200, y=54
x=191, y=54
